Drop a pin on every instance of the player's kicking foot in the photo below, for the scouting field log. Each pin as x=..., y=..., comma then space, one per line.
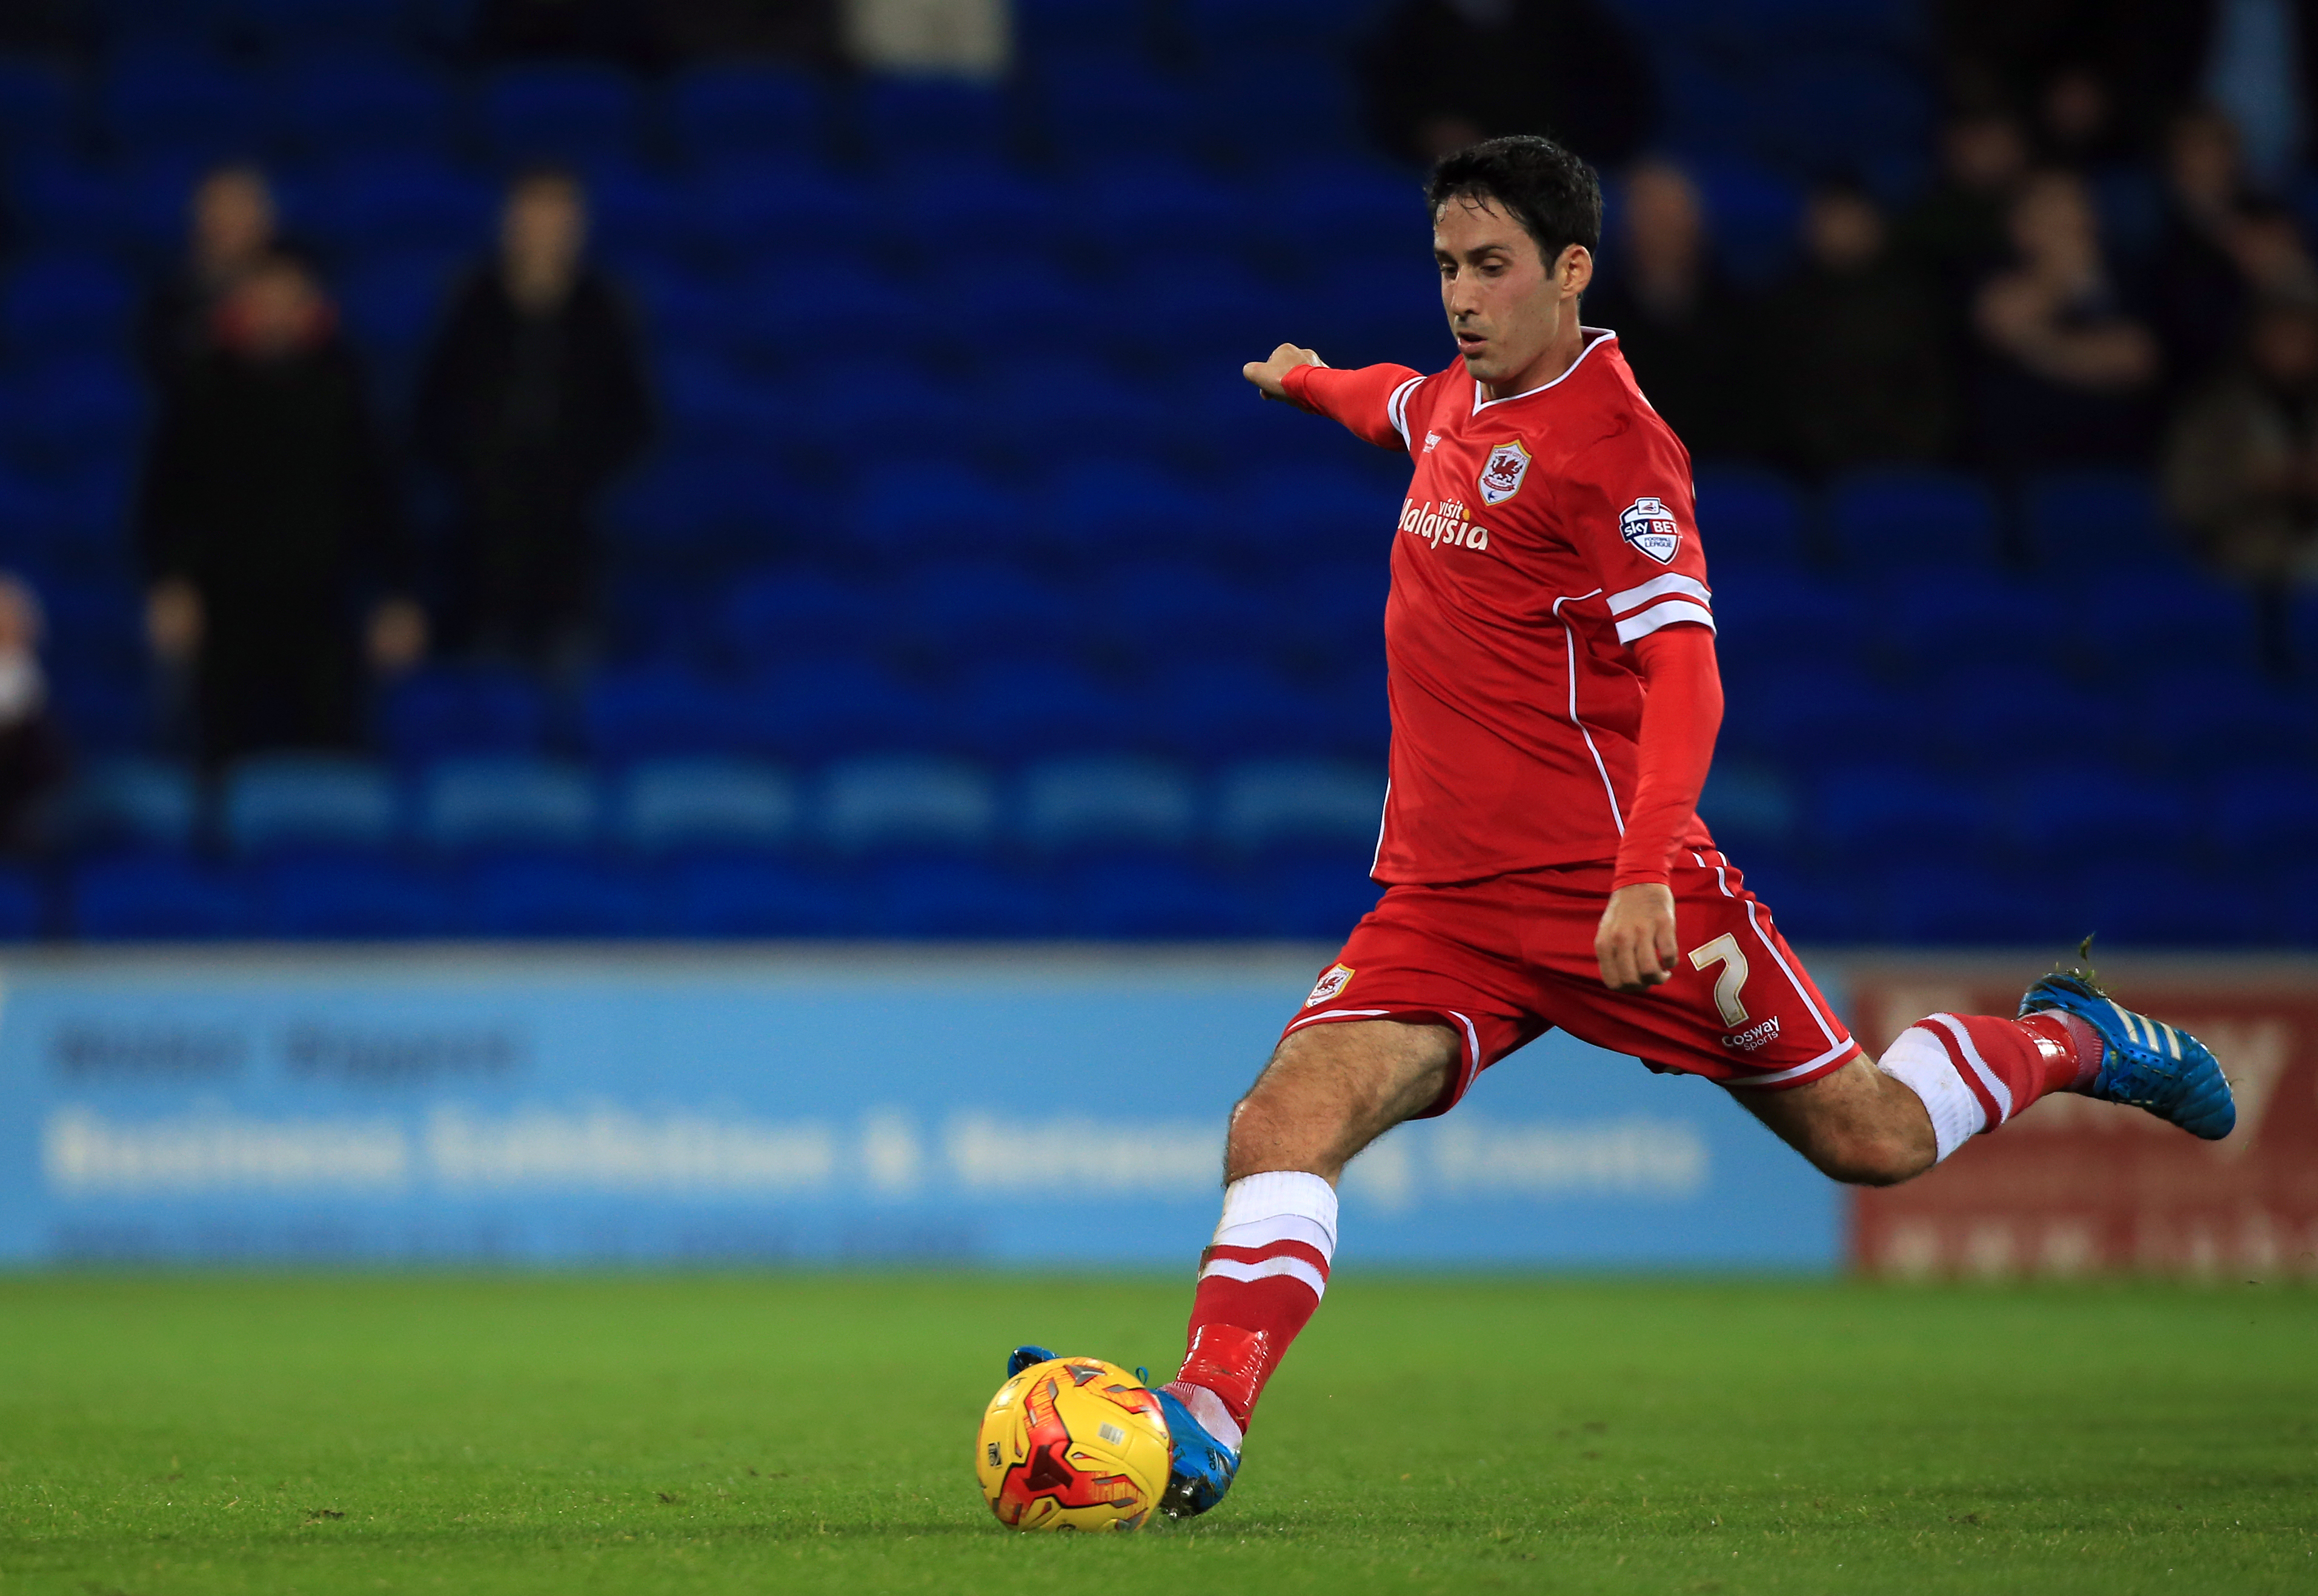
x=1199, y=1467
x=2143, y=1062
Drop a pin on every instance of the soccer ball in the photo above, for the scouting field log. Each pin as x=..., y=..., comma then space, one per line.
x=1074, y=1443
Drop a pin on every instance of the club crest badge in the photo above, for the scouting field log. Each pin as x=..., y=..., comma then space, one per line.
x=1502, y=472
x=1338, y=977
x=1650, y=526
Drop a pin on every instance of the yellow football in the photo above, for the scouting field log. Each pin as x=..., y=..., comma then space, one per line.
x=1073, y=1443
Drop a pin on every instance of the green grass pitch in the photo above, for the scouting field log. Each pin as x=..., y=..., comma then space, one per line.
x=715, y=1433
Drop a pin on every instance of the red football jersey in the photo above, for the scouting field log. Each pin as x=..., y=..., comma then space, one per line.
x=1541, y=534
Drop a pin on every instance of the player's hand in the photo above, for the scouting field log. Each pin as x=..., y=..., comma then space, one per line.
x=1635, y=941
x=1271, y=375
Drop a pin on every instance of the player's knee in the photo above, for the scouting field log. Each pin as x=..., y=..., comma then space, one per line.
x=1866, y=1157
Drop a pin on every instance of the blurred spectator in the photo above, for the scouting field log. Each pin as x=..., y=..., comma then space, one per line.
x=232, y=230
x=1957, y=230
x=969, y=38
x=32, y=760
x=1439, y=74
x=267, y=508
x=1863, y=365
x=2068, y=371
x=2077, y=124
x=533, y=398
x=1676, y=319
x=2242, y=460
x=2219, y=249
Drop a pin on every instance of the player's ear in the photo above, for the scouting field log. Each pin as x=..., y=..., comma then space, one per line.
x=1573, y=271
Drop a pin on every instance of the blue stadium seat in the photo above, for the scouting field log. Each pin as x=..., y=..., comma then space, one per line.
x=854, y=419
x=2089, y=811
x=1225, y=27
x=2136, y=621
x=953, y=898
x=1016, y=708
x=24, y=905
x=1749, y=808
x=371, y=24
x=341, y=102
x=1990, y=713
x=1288, y=516
x=290, y=800
x=157, y=99
x=652, y=711
x=506, y=802
x=393, y=303
x=749, y=895
x=969, y=205
x=133, y=802
x=983, y=609
x=916, y=802
x=1804, y=716
x=725, y=413
x=1332, y=609
x=2081, y=521
x=787, y=612
x=1750, y=516
x=1960, y=902
x=557, y=897
x=706, y=805
x=1814, y=904
x=1155, y=898
x=1293, y=805
x=369, y=202
x=568, y=110
x=2297, y=906
x=722, y=110
x=818, y=707
x=995, y=306
x=1028, y=408
x=159, y=897
x=74, y=411
x=63, y=302
x=1208, y=708
x=1871, y=812
x=2168, y=905
x=1105, y=803
x=1108, y=504
x=1318, y=898
x=911, y=510
x=1188, y=308
x=1165, y=207
x=767, y=209
x=439, y=712
x=1263, y=106
x=2264, y=816
x=806, y=311
x=105, y=716
x=1941, y=620
x=1913, y=517
x=1082, y=24
x=1176, y=609
x=684, y=310
x=334, y=896
x=36, y=104
x=1099, y=106
x=2211, y=717
x=1752, y=212
x=913, y=116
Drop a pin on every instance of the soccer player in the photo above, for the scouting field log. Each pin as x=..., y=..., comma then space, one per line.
x=1555, y=699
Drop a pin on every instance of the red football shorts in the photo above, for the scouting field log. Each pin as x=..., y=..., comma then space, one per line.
x=1504, y=960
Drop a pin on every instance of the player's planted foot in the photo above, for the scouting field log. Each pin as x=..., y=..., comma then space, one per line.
x=1199, y=1467
x=2143, y=1062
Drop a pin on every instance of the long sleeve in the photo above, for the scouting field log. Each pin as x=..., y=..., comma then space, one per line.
x=1679, y=721
x=1367, y=401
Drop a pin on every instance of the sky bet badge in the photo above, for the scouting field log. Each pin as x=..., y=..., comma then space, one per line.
x=1650, y=526
x=1502, y=472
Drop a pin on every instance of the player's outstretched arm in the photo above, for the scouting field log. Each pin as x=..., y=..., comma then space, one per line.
x=1272, y=375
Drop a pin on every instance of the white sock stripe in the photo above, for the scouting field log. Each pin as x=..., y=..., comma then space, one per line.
x=1279, y=1228
x=1295, y=1269
x=1918, y=1060
x=1278, y=1192
x=1987, y=1078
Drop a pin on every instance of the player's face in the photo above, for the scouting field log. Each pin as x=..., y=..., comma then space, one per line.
x=1510, y=310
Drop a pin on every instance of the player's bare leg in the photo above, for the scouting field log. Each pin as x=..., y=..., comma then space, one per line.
x=1332, y=1089
x=1858, y=1125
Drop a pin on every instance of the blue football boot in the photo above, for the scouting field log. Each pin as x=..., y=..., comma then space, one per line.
x=1199, y=1467
x=2143, y=1062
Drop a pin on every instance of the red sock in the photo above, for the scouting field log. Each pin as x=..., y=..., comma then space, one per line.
x=1259, y=1284
x=2028, y=1057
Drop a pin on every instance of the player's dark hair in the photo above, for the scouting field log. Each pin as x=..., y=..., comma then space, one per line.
x=1553, y=194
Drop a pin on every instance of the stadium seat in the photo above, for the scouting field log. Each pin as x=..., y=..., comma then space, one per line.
x=1212, y=709
x=1177, y=609
x=72, y=412
x=1938, y=621
x=758, y=109
x=1748, y=807
x=914, y=802
x=331, y=896
x=993, y=307
x=63, y=304
x=1869, y=813
x=36, y=104
x=910, y=117
x=1330, y=610
x=1098, y=803
x=568, y=110
x=953, y=898
x=721, y=895
x=159, y=896
x=2169, y=905
x=24, y=905
x=1082, y=24
x=285, y=801
x=2091, y=811
x=506, y=802
x=960, y=205
x=440, y=712
x=1155, y=897
x=1163, y=207
x=775, y=208
x=2204, y=717
x=972, y=609
x=790, y=611
x=1318, y=898
x=1108, y=503
x=364, y=204
x=157, y=99
x=1804, y=716
x=556, y=896
x=1267, y=805
x=1026, y=407
x=705, y=805
x=909, y=510
x=654, y=711
x=2080, y=522
x=803, y=313
x=1012, y=709
x=2263, y=816
x=1905, y=517
x=344, y=102
x=822, y=707
x=1098, y=106
x=133, y=802
x=2138, y=622
x=1752, y=211
x=1960, y=902
x=1288, y=517
x=1749, y=517
x=1987, y=714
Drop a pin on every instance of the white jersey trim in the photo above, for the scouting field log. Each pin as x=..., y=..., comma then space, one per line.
x=1595, y=337
x=1569, y=636
x=1395, y=409
x=1673, y=581
x=1664, y=615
